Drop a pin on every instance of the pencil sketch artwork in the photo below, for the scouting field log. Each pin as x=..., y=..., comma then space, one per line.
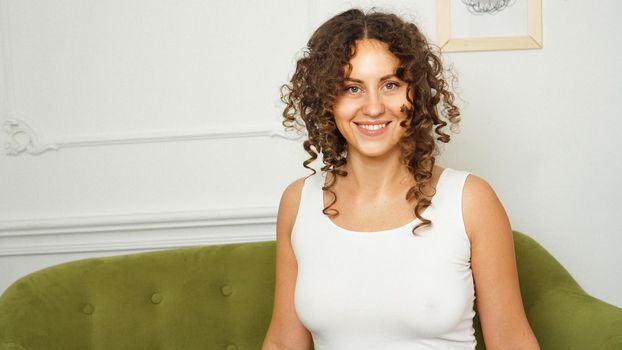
x=491, y=7
x=483, y=25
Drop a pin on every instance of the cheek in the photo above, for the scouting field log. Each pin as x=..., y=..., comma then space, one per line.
x=398, y=106
x=344, y=110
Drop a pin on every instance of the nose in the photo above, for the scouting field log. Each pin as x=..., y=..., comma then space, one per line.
x=373, y=105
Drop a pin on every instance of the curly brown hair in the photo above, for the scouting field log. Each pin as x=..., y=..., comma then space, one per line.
x=319, y=79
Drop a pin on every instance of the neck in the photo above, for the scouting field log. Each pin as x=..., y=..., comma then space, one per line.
x=372, y=177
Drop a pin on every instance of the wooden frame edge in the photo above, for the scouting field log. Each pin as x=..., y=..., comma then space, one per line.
x=443, y=23
x=533, y=40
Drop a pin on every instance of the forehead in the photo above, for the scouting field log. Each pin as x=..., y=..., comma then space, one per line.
x=372, y=58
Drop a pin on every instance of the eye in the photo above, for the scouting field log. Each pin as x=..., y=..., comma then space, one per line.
x=353, y=89
x=391, y=85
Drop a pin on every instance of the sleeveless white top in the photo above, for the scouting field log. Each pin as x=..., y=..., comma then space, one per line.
x=385, y=289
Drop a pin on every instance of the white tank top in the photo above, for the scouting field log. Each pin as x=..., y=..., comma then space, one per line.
x=385, y=289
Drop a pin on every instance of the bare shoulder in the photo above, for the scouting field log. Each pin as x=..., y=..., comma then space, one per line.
x=288, y=207
x=476, y=187
x=293, y=191
x=481, y=208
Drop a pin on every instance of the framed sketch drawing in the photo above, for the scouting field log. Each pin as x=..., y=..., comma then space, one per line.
x=481, y=25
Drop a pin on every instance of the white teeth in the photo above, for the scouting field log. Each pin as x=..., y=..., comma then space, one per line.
x=372, y=127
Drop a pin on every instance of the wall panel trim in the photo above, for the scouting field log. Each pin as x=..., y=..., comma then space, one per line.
x=138, y=231
x=21, y=138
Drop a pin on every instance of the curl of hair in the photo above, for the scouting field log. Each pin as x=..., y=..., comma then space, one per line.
x=319, y=79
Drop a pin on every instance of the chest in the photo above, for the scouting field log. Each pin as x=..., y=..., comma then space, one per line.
x=366, y=215
x=384, y=283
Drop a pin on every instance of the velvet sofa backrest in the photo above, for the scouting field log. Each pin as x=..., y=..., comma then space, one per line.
x=221, y=297
x=211, y=297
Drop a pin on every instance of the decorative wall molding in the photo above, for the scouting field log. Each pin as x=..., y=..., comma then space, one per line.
x=67, y=245
x=6, y=64
x=21, y=138
x=138, y=221
x=138, y=231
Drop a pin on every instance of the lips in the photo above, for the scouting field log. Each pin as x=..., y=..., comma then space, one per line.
x=372, y=128
x=374, y=122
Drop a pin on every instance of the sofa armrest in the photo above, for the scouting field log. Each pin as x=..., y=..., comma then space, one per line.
x=561, y=314
x=571, y=319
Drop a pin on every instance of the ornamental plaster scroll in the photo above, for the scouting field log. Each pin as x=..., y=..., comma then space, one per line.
x=21, y=138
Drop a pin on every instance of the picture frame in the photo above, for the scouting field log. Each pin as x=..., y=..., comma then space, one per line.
x=531, y=38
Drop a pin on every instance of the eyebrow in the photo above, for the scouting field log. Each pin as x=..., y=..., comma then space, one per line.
x=381, y=79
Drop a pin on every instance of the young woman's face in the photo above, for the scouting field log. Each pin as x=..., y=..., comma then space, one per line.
x=369, y=109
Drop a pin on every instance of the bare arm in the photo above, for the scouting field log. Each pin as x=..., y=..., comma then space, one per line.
x=286, y=332
x=498, y=299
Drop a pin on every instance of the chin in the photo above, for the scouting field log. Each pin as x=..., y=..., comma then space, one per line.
x=374, y=153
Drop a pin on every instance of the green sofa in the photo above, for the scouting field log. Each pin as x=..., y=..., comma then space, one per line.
x=220, y=297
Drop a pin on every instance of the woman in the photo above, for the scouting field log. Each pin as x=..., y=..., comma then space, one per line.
x=384, y=249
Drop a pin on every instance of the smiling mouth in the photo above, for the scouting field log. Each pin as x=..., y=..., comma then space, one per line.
x=373, y=126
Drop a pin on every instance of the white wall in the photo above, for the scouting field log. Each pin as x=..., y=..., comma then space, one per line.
x=543, y=126
x=146, y=101
x=165, y=116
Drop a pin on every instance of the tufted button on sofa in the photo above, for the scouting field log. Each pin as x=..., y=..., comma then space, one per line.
x=221, y=296
x=156, y=298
